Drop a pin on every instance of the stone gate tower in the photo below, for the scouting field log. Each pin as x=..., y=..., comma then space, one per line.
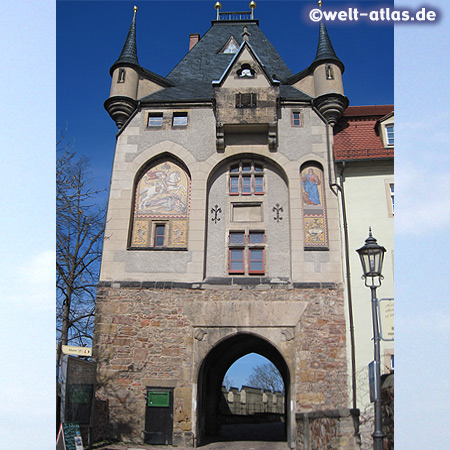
x=222, y=238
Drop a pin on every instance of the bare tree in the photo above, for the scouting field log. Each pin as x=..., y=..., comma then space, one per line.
x=80, y=223
x=266, y=376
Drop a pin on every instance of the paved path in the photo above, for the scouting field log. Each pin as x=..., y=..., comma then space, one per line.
x=231, y=445
x=268, y=436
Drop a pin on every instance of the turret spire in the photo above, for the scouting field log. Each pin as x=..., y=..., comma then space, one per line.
x=325, y=51
x=129, y=51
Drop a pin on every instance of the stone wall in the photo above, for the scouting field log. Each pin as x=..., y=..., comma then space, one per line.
x=159, y=337
x=332, y=430
x=250, y=400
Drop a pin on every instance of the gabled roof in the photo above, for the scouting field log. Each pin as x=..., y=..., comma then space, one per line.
x=205, y=63
x=356, y=135
x=236, y=56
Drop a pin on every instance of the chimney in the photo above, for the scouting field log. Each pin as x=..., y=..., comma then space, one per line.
x=193, y=39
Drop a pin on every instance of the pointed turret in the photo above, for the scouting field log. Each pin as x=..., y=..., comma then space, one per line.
x=325, y=50
x=327, y=71
x=125, y=80
x=129, y=51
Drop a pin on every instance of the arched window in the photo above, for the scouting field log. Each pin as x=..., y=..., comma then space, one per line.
x=161, y=208
x=314, y=210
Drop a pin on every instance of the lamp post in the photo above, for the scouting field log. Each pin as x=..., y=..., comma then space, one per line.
x=372, y=255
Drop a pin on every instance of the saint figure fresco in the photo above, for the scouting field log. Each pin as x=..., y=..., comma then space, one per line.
x=311, y=191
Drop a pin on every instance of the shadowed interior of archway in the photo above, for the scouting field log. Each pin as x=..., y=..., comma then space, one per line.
x=214, y=422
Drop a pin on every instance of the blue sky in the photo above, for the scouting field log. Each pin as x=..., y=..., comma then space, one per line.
x=163, y=28
x=27, y=159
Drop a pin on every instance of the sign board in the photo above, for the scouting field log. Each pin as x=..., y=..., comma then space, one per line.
x=69, y=437
x=386, y=318
x=80, y=351
x=159, y=399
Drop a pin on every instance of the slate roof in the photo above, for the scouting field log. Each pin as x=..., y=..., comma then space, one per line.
x=325, y=51
x=356, y=136
x=204, y=63
x=129, y=51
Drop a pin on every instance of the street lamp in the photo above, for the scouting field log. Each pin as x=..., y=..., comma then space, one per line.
x=372, y=255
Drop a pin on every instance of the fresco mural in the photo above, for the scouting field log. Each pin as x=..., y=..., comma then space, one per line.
x=314, y=212
x=162, y=193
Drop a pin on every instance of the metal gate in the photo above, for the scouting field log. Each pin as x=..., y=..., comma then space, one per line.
x=159, y=416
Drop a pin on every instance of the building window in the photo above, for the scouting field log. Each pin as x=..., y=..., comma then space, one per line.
x=296, y=119
x=180, y=119
x=255, y=260
x=247, y=100
x=155, y=119
x=160, y=233
x=390, y=134
x=246, y=252
x=121, y=77
x=247, y=178
x=246, y=71
x=329, y=72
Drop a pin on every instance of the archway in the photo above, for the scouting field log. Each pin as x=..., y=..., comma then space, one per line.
x=212, y=372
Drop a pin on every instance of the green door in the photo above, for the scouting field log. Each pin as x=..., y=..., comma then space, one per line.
x=159, y=416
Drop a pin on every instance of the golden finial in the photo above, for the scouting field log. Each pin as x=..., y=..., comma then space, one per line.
x=252, y=5
x=218, y=5
x=135, y=8
x=320, y=3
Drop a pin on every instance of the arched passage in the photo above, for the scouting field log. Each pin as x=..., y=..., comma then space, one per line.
x=213, y=370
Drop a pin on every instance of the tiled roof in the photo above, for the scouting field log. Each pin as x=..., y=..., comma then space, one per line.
x=356, y=136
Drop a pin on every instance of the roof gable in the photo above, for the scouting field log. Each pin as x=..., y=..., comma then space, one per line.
x=245, y=70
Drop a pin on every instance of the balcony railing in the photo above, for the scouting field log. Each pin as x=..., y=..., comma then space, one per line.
x=235, y=16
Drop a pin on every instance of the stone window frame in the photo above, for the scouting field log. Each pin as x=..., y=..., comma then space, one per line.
x=121, y=76
x=246, y=66
x=293, y=118
x=245, y=248
x=329, y=72
x=246, y=100
x=155, y=225
x=180, y=114
x=256, y=172
x=155, y=114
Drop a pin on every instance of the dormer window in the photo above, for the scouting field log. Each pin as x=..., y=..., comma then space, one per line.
x=231, y=47
x=246, y=71
x=389, y=134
